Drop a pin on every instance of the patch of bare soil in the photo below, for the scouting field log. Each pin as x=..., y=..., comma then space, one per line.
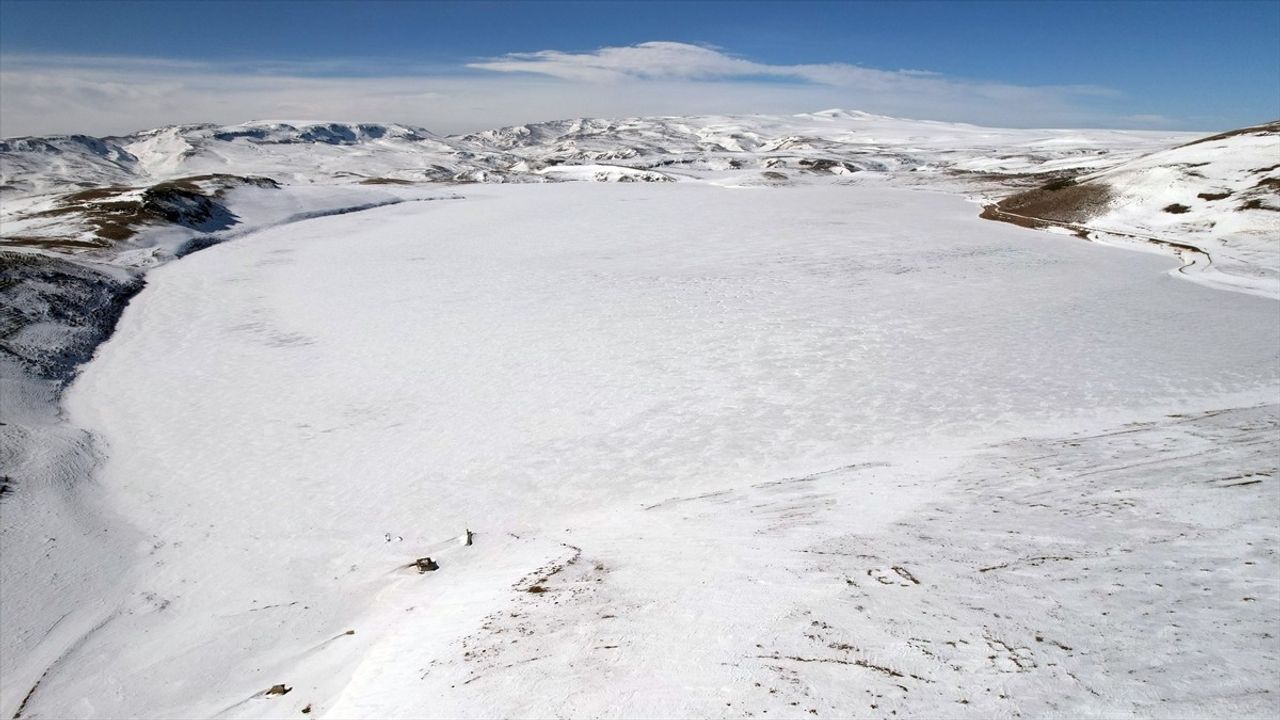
x=53, y=242
x=1256, y=204
x=993, y=212
x=95, y=194
x=1014, y=180
x=1062, y=200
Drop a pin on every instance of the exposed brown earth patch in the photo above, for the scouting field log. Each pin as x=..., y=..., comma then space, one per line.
x=55, y=242
x=1062, y=200
x=95, y=194
x=1068, y=205
x=993, y=212
x=1256, y=204
x=1014, y=180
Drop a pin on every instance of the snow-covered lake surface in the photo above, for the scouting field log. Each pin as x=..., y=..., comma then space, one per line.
x=783, y=452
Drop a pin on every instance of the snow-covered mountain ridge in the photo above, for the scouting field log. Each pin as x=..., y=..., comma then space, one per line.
x=345, y=152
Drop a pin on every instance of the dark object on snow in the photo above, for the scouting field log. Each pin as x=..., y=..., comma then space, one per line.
x=466, y=539
x=425, y=564
x=537, y=589
x=280, y=689
x=307, y=710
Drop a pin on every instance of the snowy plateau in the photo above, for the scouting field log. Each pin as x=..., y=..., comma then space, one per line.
x=827, y=415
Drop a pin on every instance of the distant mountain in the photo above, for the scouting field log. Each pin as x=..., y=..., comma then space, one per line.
x=831, y=142
x=65, y=162
x=836, y=141
x=295, y=152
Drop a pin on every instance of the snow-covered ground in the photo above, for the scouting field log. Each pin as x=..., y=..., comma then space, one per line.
x=820, y=450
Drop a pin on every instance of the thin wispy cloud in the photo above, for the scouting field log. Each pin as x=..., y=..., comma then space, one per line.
x=672, y=60
x=651, y=60
x=103, y=95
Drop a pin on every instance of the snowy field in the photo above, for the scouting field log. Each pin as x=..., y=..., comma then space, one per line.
x=824, y=450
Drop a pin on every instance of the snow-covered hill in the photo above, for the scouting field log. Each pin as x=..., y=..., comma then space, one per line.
x=32, y=165
x=1215, y=200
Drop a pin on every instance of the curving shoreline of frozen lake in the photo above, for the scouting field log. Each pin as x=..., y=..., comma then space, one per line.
x=538, y=363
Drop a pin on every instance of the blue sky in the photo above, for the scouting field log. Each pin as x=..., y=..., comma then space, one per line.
x=114, y=66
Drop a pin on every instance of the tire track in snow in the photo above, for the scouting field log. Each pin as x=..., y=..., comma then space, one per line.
x=79, y=643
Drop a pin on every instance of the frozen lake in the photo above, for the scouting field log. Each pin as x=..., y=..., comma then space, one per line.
x=290, y=418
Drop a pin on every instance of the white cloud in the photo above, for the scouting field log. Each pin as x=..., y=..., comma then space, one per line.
x=48, y=95
x=651, y=60
x=671, y=60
